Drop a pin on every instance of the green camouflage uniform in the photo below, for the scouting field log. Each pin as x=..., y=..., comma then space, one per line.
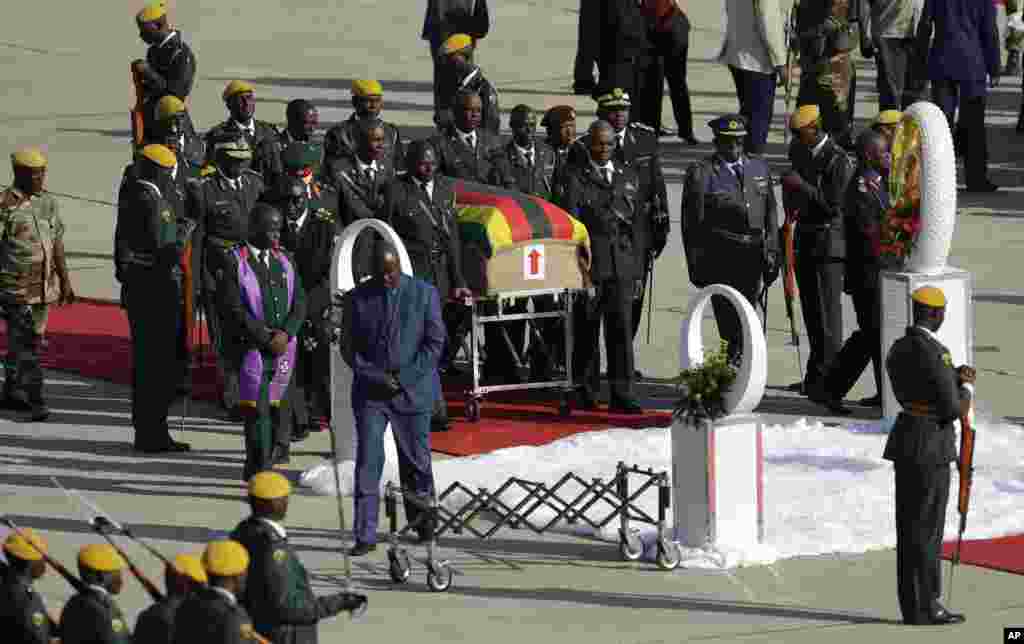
x=826, y=34
x=29, y=282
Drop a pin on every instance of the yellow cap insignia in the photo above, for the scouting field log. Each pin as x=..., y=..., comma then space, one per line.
x=280, y=556
x=117, y=626
x=947, y=359
x=166, y=216
x=38, y=619
x=733, y=125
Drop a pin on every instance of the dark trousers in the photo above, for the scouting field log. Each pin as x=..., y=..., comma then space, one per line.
x=969, y=131
x=922, y=494
x=742, y=271
x=821, y=289
x=638, y=303
x=412, y=440
x=756, y=94
x=588, y=44
x=899, y=78
x=153, y=303
x=299, y=409
x=862, y=347
x=611, y=304
x=265, y=427
x=671, y=66
x=635, y=77
x=501, y=357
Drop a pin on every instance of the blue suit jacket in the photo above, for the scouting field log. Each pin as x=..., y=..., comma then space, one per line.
x=417, y=337
x=965, y=45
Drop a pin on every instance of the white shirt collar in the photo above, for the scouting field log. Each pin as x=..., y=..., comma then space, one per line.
x=363, y=167
x=603, y=168
x=168, y=38
x=226, y=594
x=278, y=528
x=466, y=135
x=928, y=332
x=621, y=137
x=250, y=127
x=526, y=152
x=99, y=589
x=817, y=148
x=256, y=252
x=428, y=186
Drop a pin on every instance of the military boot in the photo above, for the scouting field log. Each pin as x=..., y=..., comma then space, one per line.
x=14, y=397
x=1012, y=64
x=38, y=411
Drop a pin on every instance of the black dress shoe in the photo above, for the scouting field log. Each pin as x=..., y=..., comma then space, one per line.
x=689, y=139
x=666, y=131
x=981, y=187
x=837, y=407
x=943, y=616
x=873, y=401
x=796, y=387
x=361, y=549
x=171, y=446
x=625, y=406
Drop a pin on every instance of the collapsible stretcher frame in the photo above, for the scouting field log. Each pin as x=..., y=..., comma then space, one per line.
x=564, y=312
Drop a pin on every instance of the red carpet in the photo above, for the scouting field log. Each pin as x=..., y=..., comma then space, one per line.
x=92, y=340
x=1005, y=553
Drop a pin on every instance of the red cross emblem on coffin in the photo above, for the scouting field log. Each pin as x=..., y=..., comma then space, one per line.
x=517, y=242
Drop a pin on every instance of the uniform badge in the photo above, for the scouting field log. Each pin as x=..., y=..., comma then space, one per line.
x=280, y=556
x=246, y=631
x=117, y=626
x=947, y=359
x=38, y=619
x=166, y=216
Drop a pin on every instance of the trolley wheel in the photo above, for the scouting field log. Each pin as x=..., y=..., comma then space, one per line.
x=399, y=566
x=564, y=407
x=630, y=547
x=439, y=577
x=668, y=555
x=473, y=410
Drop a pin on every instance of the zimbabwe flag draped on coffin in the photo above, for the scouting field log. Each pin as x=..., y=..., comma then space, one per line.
x=514, y=242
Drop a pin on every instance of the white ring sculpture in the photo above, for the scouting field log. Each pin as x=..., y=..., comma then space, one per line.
x=342, y=278
x=938, y=188
x=748, y=389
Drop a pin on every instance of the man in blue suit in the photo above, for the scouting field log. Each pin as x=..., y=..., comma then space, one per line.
x=393, y=337
x=965, y=49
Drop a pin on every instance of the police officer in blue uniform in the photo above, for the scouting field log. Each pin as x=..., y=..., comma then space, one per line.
x=730, y=225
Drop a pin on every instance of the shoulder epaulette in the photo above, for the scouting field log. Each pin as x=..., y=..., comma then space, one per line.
x=206, y=172
x=324, y=214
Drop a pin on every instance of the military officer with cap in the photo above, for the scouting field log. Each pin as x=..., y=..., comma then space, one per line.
x=23, y=615
x=214, y=613
x=814, y=191
x=278, y=593
x=170, y=65
x=149, y=239
x=459, y=74
x=183, y=579
x=730, y=225
x=933, y=394
x=33, y=276
x=886, y=123
x=261, y=137
x=92, y=616
x=343, y=139
x=220, y=203
x=301, y=160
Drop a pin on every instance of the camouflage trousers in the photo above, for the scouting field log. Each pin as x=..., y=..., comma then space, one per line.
x=26, y=325
x=829, y=83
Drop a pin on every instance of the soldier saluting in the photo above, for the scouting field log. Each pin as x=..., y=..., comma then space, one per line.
x=730, y=225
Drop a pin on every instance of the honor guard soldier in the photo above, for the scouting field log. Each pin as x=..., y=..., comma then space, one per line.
x=183, y=579
x=23, y=615
x=459, y=74
x=465, y=151
x=814, y=191
x=220, y=203
x=302, y=120
x=886, y=123
x=34, y=276
x=278, y=593
x=826, y=35
x=92, y=616
x=214, y=614
x=149, y=239
x=309, y=235
x=605, y=197
x=933, y=393
x=170, y=65
x=730, y=226
x=261, y=137
x=343, y=139
x=265, y=306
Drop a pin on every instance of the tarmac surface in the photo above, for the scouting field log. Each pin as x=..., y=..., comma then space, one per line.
x=64, y=67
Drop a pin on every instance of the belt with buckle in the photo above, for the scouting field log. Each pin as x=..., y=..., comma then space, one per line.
x=754, y=236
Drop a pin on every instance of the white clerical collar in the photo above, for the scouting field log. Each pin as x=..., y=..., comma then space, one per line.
x=278, y=528
x=168, y=38
x=817, y=148
x=226, y=594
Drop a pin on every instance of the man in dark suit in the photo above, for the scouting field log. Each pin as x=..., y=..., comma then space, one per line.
x=464, y=149
x=170, y=66
x=393, y=338
x=964, y=50
x=342, y=140
x=814, y=190
x=588, y=48
x=933, y=394
x=459, y=74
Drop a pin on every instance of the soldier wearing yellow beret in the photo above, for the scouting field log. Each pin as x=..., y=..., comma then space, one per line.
x=933, y=394
x=262, y=137
x=886, y=123
x=215, y=613
x=183, y=579
x=342, y=140
x=278, y=592
x=92, y=615
x=23, y=615
x=170, y=66
x=34, y=275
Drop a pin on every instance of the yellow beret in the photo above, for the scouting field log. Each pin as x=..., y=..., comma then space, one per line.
x=367, y=88
x=100, y=557
x=225, y=558
x=269, y=485
x=237, y=87
x=888, y=117
x=455, y=43
x=804, y=115
x=929, y=296
x=29, y=547
x=190, y=566
x=29, y=158
x=152, y=11
x=160, y=155
x=169, y=106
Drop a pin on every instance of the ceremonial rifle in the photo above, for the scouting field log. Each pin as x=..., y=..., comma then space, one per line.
x=965, y=467
x=789, y=288
x=76, y=583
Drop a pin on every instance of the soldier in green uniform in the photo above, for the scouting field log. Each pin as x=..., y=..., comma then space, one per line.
x=213, y=614
x=826, y=34
x=182, y=580
x=264, y=306
x=262, y=137
x=23, y=615
x=92, y=616
x=278, y=594
x=149, y=238
x=33, y=275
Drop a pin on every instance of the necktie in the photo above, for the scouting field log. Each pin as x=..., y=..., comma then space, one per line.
x=470, y=140
x=608, y=175
x=370, y=173
x=529, y=158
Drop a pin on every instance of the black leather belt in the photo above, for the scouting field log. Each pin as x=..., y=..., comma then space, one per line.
x=146, y=260
x=753, y=237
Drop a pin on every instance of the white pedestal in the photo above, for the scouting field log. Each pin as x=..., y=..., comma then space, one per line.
x=718, y=481
x=956, y=332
